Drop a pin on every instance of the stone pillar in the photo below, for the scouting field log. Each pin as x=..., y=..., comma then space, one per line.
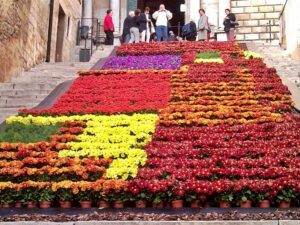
x=115, y=6
x=123, y=14
x=87, y=13
x=194, y=10
x=223, y=4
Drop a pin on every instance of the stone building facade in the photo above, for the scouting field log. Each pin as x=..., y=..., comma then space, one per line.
x=254, y=16
x=27, y=37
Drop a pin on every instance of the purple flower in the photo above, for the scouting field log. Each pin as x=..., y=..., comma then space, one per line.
x=157, y=62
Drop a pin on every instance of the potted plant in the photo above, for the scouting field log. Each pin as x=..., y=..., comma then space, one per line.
x=245, y=198
x=225, y=199
x=141, y=200
x=263, y=201
x=284, y=198
x=84, y=198
x=103, y=201
x=65, y=197
x=193, y=198
x=30, y=197
x=158, y=200
x=176, y=200
x=18, y=199
x=46, y=196
x=119, y=198
x=7, y=197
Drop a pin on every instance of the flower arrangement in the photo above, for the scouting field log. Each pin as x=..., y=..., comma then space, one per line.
x=177, y=131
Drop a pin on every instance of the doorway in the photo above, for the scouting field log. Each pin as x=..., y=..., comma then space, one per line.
x=60, y=35
x=171, y=5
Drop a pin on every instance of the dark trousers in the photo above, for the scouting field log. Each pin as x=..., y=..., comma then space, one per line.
x=109, y=37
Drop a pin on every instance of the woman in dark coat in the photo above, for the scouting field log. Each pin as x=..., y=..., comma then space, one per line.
x=229, y=25
x=145, y=25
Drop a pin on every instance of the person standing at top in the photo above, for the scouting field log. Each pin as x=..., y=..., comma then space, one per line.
x=134, y=30
x=145, y=25
x=126, y=27
x=229, y=25
x=202, y=26
x=109, y=28
x=162, y=17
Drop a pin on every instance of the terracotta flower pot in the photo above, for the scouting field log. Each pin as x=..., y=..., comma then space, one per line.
x=158, y=206
x=18, y=205
x=31, y=205
x=246, y=204
x=195, y=204
x=65, y=204
x=265, y=204
x=225, y=205
x=141, y=204
x=284, y=205
x=177, y=204
x=6, y=205
x=207, y=205
x=103, y=204
x=85, y=204
x=118, y=205
x=45, y=204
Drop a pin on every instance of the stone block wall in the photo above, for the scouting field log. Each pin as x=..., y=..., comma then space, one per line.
x=253, y=17
x=23, y=35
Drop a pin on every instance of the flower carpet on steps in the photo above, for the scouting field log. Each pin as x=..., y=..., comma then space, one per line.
x=209, y=124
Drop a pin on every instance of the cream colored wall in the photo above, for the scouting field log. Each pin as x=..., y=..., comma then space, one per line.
x=99, y=9
x=292, y=28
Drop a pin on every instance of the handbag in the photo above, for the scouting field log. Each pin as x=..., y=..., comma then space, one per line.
x=152, y=31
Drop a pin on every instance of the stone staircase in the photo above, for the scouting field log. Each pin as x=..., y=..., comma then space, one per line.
x=276, y=57
x=31, y=87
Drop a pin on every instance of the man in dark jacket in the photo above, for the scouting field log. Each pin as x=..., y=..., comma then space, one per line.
x=229, y=25
x=126, y=27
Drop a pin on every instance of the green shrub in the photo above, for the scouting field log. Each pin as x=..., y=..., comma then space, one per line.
x=208, y=55
x=18, y=132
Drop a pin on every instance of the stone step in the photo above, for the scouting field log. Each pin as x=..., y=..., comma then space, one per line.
x=21, y=92
x=16, y=97
x=36, y=79
x=19, y=103
x=27, y=86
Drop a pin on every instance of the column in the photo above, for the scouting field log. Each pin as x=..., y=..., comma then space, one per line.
x=192, y=10
x=115, y=7
x=87, y=13
x=223, y=4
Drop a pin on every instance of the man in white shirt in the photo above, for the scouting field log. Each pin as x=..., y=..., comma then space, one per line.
x=162, y=17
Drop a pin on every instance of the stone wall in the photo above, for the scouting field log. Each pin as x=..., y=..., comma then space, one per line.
x=23, y=35
x=253, y=17
x=24, y=27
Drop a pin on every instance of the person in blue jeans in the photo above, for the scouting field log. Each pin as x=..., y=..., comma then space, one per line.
x=162, y=17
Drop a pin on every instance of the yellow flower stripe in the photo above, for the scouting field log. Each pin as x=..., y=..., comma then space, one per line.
x=252, y=55
x=120, y=137
x=216, y=60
